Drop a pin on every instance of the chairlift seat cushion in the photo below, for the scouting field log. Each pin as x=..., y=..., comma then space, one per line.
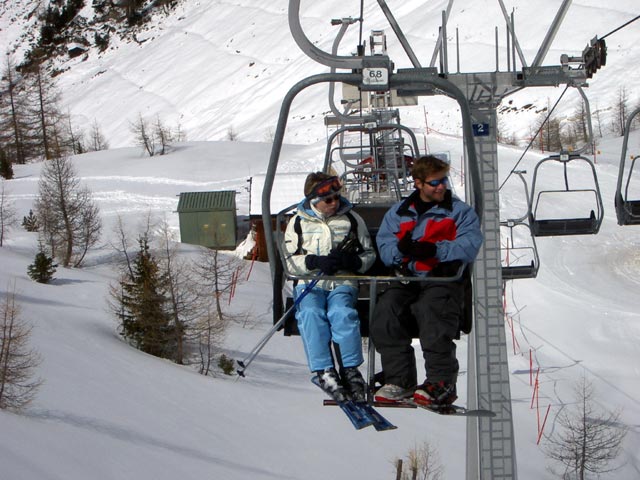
x=514, y=272
x=565, y=226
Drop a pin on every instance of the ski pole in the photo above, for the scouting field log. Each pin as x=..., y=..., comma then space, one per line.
x=350, y=243
x=244, y=363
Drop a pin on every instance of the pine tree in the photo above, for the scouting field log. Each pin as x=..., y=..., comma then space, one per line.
x=143, y=301
x=42, y=268
x=30, y=222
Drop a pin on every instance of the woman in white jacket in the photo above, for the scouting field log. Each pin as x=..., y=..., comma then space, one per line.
x=327, y=313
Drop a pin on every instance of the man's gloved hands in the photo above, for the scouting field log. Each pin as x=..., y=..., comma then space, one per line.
x=416, y=249
x=347, y=261
x=325, y=263
x=423, y=250
x=404, y=244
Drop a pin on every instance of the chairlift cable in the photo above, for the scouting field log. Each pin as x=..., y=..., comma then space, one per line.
x=361, y=21
x=534, y=137
x=620, y=27
x=548, y=116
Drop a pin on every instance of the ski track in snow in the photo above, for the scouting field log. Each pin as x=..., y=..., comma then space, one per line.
x=151, y=180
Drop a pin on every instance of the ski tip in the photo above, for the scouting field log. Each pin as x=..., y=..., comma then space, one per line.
x=457, y=410
x=384, y=428
x=481, y=413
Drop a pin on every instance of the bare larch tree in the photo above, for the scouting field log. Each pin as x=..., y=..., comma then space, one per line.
x=68, y=215
x=18, y=384
x=588, y=439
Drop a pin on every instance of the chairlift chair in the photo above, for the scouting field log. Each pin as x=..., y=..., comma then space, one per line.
x=520, y=260
x=513, y=267
x=627, y=211
x=380, y=147
x=572, y=225
x=413, y=80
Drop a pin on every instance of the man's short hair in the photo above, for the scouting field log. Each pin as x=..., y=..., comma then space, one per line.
x=427, y=166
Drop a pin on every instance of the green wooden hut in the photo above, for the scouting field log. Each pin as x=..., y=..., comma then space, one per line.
x=208, y=219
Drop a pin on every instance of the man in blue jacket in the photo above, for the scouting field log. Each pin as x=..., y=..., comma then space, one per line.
x=430, y=233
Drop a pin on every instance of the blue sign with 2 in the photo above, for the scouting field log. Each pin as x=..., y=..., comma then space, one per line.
x=480, y=129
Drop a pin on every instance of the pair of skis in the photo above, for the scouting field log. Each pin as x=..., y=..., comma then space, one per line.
x=363, y=415
x=360, y=414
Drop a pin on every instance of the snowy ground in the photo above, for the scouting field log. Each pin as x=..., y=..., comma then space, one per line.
x=107, y=411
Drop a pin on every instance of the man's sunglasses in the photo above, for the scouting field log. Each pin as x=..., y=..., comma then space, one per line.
x=435, y=183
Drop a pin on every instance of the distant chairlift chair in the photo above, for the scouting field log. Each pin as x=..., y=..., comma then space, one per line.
x=521, y=258
x=566, y=226
x=627, y=211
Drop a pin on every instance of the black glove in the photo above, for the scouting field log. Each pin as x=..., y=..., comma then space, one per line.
x=347, y=261
x=423, y=250
x=324, y=263
x=416, y=249
x=404, y=244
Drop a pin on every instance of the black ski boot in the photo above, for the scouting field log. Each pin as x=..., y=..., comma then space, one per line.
x=355, y=384
x=329, y=381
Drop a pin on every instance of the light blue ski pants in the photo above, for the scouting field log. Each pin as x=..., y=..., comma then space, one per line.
x=325, y=316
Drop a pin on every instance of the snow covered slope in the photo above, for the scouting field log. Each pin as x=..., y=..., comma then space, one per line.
x=216, y=67
x=107, y=411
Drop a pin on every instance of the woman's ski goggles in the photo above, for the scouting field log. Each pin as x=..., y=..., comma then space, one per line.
x=326, y=187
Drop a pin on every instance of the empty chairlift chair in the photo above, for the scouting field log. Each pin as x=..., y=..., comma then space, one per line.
x=520, y=254
x=627, y=211
x=553, y=213
x=519, y=251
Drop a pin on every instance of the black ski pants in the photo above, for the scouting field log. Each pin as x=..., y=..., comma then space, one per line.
x=430, y=311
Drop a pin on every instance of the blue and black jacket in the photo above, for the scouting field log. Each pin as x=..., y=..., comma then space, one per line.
x=451, y=225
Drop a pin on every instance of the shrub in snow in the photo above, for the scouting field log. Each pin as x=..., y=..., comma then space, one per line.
x=42, y=268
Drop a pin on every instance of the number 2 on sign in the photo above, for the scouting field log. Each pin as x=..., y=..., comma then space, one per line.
x=481, y=129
